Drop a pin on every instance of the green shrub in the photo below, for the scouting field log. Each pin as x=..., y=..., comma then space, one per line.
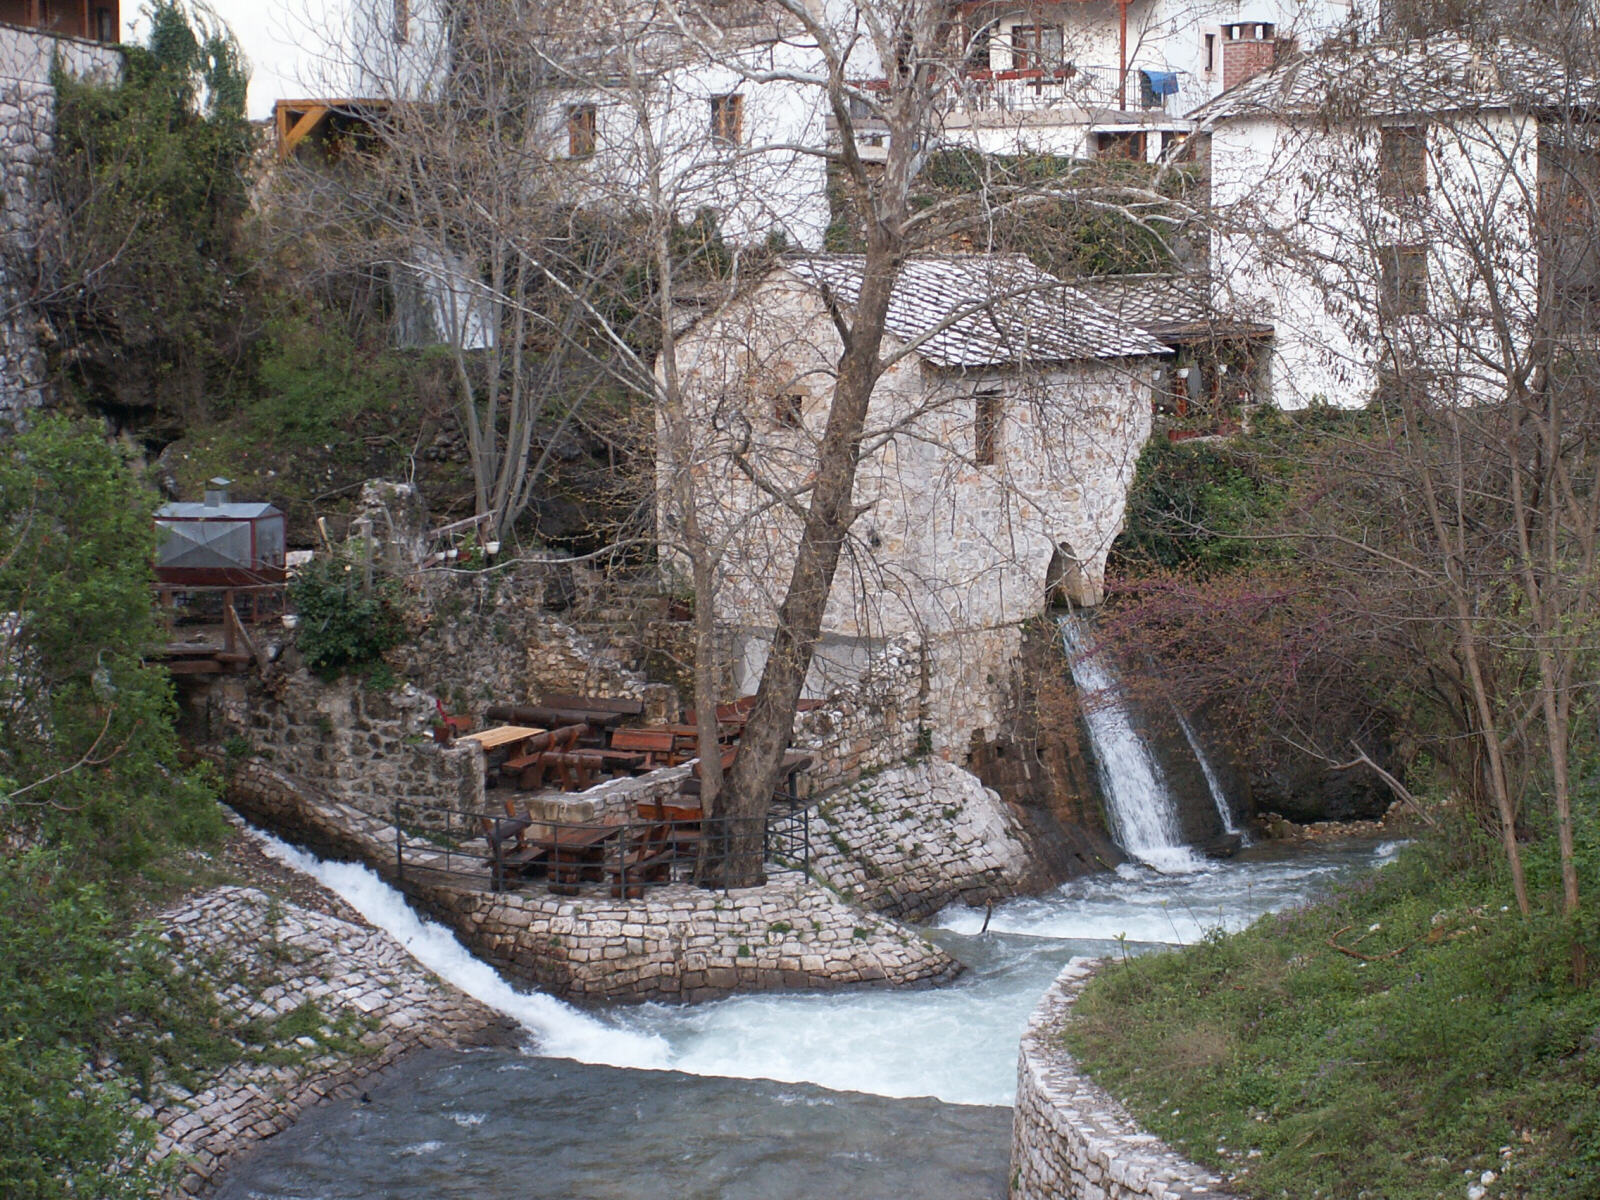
x=1190, y=503
x=314, y=379
x=88, y=753
x=342, y=623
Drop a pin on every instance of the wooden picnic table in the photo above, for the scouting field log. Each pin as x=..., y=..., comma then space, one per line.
x=502, y=735
x=574, y=850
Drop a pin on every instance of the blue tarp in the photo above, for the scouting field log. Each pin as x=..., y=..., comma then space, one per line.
x=1161, y=83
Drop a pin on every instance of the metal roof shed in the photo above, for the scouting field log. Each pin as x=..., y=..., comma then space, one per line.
x=221, y=544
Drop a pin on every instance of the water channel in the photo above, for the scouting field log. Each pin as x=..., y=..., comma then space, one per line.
x=857, y=1094
x=861, y=1093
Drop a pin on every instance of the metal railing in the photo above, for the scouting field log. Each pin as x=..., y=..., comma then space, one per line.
x=619, y=857
x=1085, y=87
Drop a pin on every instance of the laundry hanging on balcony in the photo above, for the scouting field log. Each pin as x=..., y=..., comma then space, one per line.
x=1158, y=85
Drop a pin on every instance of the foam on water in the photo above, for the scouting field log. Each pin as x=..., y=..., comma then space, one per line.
x=558, y=1029
x=956, y=1043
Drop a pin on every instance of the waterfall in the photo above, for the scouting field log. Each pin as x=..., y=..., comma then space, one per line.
x=559, y=1030
x=1218, y=797
x=1144, y=815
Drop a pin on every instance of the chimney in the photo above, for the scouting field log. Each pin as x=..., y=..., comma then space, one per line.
x=1247, y=49
x=217, y=491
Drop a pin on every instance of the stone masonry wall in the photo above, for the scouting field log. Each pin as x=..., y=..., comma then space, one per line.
x=874, y=724
x=488, y=639
x=915, y=838
x=678, y=943
x=282, y=957
x=27, y=131
x=1070, y=1140
x=370, y=748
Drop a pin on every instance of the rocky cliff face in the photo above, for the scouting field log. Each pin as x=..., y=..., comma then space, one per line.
x=1040, y=765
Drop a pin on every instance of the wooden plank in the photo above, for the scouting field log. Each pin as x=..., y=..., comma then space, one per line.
x=197, y=666
x=628, y=708
x=501, y=735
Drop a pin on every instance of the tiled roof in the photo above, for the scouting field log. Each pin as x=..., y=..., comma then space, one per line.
x=1401, y=78
x=1001, y=310
x=1172, y=308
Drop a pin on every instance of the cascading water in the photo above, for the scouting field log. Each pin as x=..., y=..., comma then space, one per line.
x=1213, y=784
x=1143, y=813
x=454, y=1126
x=558, y=1029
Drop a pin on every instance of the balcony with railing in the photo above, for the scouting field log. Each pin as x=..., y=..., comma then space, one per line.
x=1073, y=86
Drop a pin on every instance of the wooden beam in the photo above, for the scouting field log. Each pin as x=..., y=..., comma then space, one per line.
x=290, y=136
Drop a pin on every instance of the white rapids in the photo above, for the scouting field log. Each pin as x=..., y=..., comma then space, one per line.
x=956, y=1043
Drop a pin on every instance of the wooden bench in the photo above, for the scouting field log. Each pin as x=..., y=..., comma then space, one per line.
x=645, y=856
x=660, y=746
x=550, y=716
x=526, y=768
x=684, y=829
x=626, y=708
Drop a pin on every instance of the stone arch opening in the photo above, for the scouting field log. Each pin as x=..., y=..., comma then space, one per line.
x=1067, y=584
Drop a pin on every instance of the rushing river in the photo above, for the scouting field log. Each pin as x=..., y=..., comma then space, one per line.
x=861, y=1093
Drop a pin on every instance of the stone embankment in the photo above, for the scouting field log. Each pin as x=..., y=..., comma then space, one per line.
x=676, y=943
x=687, y=943
x=355, y=998
x=1070, y=1140
x=914, y=838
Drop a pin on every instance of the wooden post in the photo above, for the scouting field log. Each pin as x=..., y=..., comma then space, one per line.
x=363, y=527
x=1122, y=52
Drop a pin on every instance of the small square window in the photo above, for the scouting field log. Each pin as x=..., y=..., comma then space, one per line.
x=1405, y=280
x=986, y=428
x=1403, y=161
x=581, y=130
x=788, y=410
x=727, y=118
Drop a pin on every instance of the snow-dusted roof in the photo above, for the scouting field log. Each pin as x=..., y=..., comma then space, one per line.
x=1001, y=310
x=1449, y=73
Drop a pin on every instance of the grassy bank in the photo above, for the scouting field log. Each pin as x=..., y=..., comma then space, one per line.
x=1399, y=1040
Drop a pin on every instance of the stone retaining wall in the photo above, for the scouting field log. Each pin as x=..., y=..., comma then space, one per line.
x=1070, y=1140
x=488, y=639
x=282, y=957
x=912, y=839
x=370, y=748
x=874, y=724
x=27, y=132
x=677, y=943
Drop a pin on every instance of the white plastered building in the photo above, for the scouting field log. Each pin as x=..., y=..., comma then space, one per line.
x=1380, y=206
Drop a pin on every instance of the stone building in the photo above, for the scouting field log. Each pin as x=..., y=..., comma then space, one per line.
x=27, y=120
x=1000, y=445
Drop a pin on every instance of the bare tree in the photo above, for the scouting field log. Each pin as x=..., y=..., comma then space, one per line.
x=537, y=123
x=1431, y=247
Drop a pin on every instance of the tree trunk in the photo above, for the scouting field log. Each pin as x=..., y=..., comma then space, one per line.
x=755, y=772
